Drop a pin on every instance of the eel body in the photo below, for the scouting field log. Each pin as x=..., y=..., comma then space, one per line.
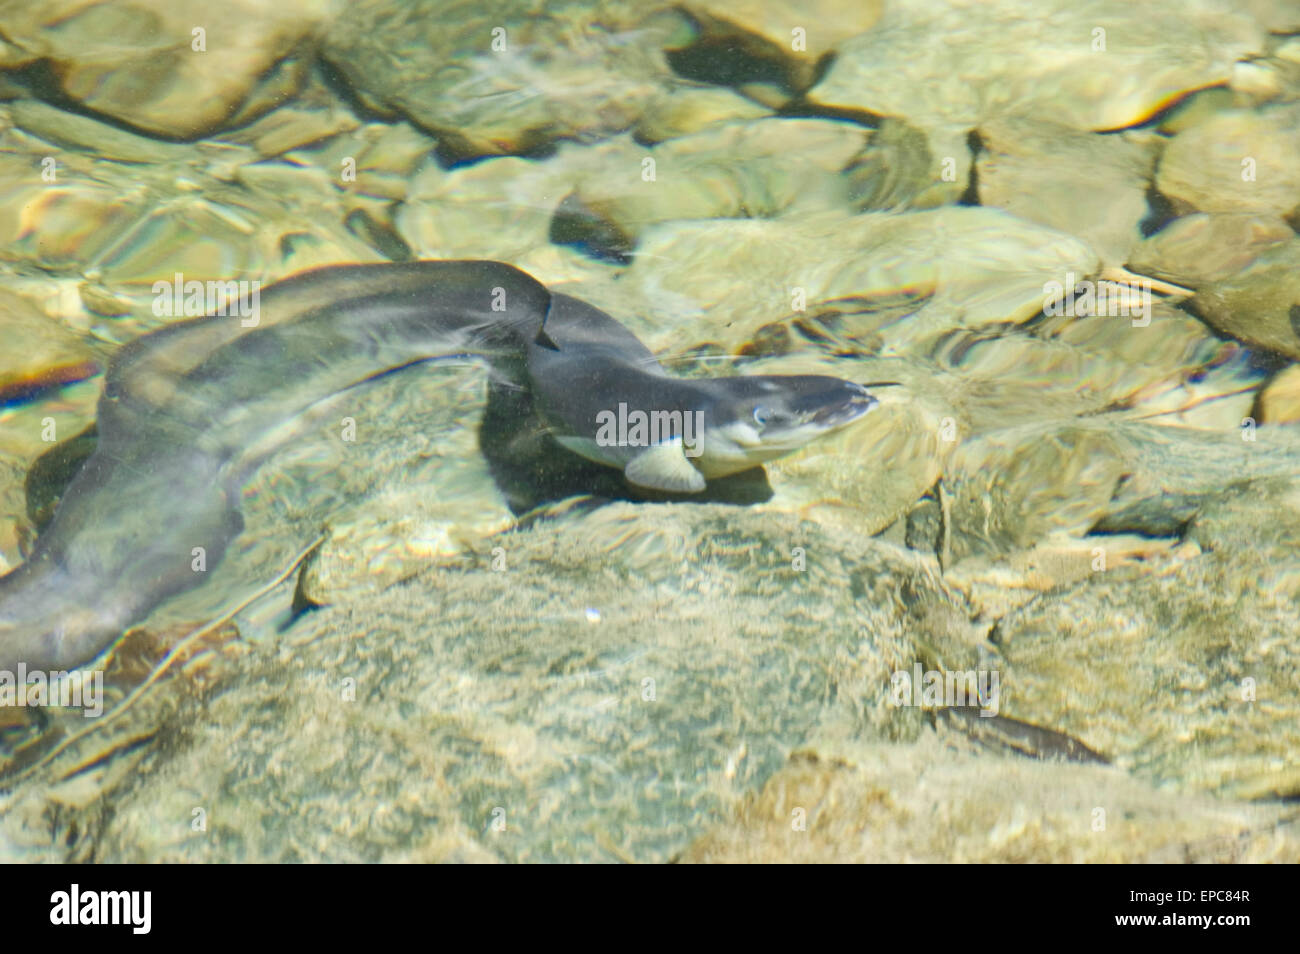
x=189, y=411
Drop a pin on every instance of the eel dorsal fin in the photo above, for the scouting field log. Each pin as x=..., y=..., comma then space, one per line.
x=664, y=467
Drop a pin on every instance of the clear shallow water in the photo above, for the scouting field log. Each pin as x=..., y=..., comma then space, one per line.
x=1096, y=506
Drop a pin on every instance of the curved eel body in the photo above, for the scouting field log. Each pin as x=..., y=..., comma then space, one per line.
x=189, y=411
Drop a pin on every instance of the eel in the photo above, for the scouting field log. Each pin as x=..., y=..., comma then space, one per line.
x=189, y=412
x=717, y=426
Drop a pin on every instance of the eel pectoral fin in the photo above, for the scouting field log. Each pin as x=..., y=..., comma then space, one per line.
x=544, y=340
x=664, y=467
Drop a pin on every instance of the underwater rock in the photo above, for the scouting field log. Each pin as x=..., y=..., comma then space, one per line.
x=1185, y=673
x=627, y=643
x=1194, y=109
x=897, y=169
x=997, y=584
x=926, y=803
x=498, y=78
x=1239, y=162
x=70, y=221
x=757, y=169
x=178, y=70
x=383, y=539
x=50, y=356
x=89, y=135
x=192, y=235
x=1279, y=400
x=1199, y=249
x=826, y=481
x=1177, y=464
x=310, y=118
x=769, y=49
x=995, y=62
x=500, y=208
x=1275, y=76
x=1039, y=171
x=375, y=161
x=1277, y=16
x=994, y=383
x=53, y=360
x=681, y=112
x=1014, y=487
x=1163, y=362
x=211, y=212
x=1259, y=305
x=393, y=540
x=957, y=267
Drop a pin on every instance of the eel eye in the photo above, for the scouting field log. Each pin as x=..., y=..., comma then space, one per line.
x=762, y=415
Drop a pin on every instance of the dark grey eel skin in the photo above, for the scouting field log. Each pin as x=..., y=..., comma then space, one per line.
x=188, y=413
